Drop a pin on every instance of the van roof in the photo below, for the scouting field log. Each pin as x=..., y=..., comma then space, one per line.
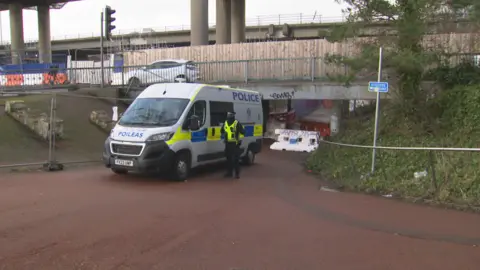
x=178, y=90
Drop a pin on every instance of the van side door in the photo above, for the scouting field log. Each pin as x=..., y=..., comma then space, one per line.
x=218, y=116
x=198, y=137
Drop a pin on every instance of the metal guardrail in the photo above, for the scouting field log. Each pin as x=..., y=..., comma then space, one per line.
x=216, y=72
x=262, y=20
x=222, y=72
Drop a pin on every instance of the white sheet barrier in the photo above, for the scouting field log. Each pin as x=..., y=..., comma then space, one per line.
x=296, y=140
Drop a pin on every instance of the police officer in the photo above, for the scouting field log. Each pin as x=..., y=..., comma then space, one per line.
x=231, y=130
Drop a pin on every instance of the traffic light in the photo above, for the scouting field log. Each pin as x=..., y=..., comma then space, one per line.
x=109, y=22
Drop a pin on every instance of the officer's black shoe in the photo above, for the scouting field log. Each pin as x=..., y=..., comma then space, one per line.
x=237, y=176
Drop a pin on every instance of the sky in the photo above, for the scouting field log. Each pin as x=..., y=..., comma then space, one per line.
x=81, y=19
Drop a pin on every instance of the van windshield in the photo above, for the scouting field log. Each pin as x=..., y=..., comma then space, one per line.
x=158, y=112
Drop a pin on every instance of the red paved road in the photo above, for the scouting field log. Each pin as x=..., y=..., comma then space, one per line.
x=273, y=218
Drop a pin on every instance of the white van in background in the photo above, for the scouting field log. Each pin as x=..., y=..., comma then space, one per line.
x=162, y=71
x=175, y=127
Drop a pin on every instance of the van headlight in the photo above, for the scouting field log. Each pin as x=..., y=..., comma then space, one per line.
x=160, y=137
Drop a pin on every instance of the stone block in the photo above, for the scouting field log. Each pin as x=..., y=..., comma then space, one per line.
x=102, y=120
x=37, y=122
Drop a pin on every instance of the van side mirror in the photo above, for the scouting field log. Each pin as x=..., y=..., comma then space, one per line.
x=194, y=123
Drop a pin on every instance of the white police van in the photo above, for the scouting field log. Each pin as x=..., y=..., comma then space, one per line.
x=172, y=127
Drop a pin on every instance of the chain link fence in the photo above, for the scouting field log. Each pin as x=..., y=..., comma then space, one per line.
x=30, y=130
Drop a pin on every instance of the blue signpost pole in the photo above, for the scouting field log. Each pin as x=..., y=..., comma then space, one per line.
x=377, y=106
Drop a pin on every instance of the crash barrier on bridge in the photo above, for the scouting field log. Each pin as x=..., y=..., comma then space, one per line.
x=296, y=140
x=55, y=128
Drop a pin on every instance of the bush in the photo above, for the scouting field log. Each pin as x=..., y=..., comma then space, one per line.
x=466, y=73
x=452, y=177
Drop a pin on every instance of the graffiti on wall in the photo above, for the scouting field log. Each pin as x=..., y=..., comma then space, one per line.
x=283, y=95
x=279, y=95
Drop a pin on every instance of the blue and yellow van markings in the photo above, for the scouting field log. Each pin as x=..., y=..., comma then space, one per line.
x=211, y=134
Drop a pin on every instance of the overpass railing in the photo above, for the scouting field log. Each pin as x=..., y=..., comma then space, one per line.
x=220, y=72
x=262, y=20
x=239, y=72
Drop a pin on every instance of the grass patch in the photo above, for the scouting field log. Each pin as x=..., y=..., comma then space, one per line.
x=19, y=145
x=82, y=140
x=452, y=177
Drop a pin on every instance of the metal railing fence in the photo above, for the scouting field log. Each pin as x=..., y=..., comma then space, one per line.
x=223, y=72
x=275, y=70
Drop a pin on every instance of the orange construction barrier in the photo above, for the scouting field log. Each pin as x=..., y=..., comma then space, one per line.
x=60, y=78
x=14, y=79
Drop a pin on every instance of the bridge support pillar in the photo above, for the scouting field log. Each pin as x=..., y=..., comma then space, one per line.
x=199, y=22
x=44, y=39
x=238, y=21
x=223, y=30
x=16, y=33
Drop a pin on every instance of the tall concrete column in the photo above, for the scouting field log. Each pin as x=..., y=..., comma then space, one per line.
x=44, y=39
x=223, y=27
x=199, y=22
x=16, y=33
x=238, y=21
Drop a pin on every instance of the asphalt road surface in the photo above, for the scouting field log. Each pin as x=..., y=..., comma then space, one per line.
x=273, y=218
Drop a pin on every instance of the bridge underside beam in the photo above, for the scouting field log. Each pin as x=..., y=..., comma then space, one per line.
x=313, y=91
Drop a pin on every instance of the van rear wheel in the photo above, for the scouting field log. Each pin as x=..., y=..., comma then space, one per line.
x=181, y=167
x=249, y=158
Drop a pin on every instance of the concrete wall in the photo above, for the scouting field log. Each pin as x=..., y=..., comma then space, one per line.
x=315, y=91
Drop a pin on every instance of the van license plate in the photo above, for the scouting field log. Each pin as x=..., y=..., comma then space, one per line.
x=122, y=162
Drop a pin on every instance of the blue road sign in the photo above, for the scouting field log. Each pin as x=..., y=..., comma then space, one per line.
x=381, y=87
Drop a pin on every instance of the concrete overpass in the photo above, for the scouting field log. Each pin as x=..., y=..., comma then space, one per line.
x=33, y=4
x=182, y=37
x=178, y=38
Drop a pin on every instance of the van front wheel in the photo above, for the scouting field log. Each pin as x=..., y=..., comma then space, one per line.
x=119, y=171
x=181, y=167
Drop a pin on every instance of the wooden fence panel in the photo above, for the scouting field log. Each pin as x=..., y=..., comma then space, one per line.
x=283, y=59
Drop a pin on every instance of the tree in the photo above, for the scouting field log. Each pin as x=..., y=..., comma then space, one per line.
x=406, y=59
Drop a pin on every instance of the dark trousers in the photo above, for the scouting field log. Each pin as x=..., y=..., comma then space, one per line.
x=232, y=152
